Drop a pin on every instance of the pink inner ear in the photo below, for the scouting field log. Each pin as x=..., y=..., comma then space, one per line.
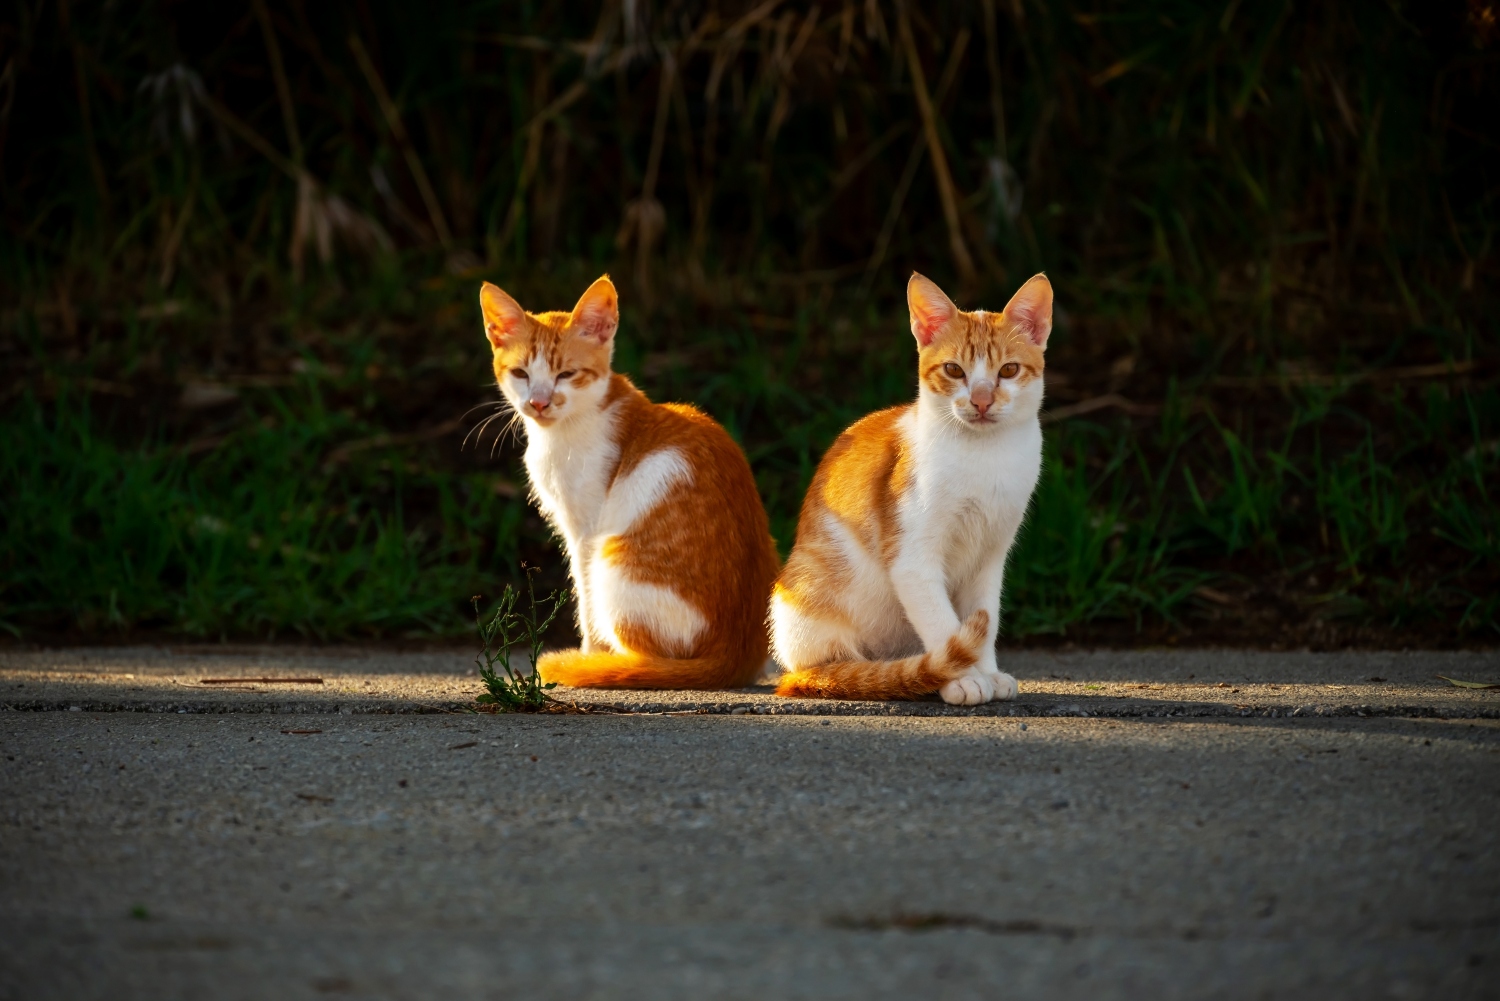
x=497, y=333
x=1033, y=315
x=927, y=320
x=502, y=314
x=1024, y=320
x=931, y=310
x=927, y=328
x=597, y=320
x=500, y=325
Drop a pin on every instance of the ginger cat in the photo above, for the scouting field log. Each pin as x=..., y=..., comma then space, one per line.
x=893, y=587
x=668, y=545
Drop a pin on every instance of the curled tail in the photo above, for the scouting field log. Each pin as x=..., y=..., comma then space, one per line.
x=604, y=669
x=892, y=679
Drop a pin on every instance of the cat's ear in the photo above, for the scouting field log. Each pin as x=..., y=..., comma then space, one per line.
x=503, y=316
x=931, y=310
x=597, y=314
x=1030, y=310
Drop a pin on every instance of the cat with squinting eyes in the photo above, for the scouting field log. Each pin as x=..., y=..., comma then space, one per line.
x=892, y=590
x=668, y=546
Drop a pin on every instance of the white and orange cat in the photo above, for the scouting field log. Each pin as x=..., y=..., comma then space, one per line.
x=893, y=587
x=668, y=545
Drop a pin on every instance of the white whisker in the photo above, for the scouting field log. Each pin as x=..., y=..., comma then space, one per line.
x=510, y=425
x=513, y=426
x=487, y=403
x=479, y=431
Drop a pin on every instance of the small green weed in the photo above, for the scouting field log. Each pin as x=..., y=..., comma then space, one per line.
x=515, y=691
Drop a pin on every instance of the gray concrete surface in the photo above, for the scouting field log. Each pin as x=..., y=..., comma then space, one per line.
x=1236, y=683
x=192, y=855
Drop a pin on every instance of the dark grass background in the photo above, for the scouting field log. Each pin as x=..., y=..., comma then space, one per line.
x=239, y=343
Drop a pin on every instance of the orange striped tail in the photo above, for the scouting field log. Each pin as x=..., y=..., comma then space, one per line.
x=602, y=669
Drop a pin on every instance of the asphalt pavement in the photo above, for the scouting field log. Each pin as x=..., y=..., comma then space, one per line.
x=1335, y=837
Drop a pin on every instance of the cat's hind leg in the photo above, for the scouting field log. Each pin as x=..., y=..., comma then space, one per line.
x=642, y=616
x=803, y=637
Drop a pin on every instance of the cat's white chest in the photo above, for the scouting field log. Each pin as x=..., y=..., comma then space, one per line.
x=975, y=490
x=569, y=471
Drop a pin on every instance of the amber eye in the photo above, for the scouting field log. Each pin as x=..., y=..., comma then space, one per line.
x=954, y=372
x=1009, y=370
x=566, y=375
x=519, y=373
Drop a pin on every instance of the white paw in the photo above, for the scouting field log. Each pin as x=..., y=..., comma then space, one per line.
x=1005, y=687
x=978, y=688
x=965, y=692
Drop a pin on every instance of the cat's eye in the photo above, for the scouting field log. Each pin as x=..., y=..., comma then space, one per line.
x=566, y=375
x=1009, y=370
x=519, y=373
x=954, y=372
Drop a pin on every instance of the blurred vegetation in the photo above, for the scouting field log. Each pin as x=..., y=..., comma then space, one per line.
x=240, y=342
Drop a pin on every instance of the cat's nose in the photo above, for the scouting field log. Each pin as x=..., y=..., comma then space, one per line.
x=982, y=396
x=540, y=402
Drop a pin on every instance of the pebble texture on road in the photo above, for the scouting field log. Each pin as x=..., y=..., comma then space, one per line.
x=148, y=855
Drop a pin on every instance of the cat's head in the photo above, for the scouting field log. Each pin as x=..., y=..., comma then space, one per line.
x=982, y=370
x=552, y=366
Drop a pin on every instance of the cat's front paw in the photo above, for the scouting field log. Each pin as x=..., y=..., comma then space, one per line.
x=974, y=689
x=1006, y=688
x=964, y=692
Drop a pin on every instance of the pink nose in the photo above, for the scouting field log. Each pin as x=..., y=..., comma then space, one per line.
x=983, y=397
x=541, y=403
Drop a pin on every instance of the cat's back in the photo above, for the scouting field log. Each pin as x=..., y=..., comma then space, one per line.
x=683, y=509
x=645, y=431
x=864, y=472
x=684, y=460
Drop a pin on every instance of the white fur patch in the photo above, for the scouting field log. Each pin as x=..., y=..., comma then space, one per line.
x=862, y=565
x=567, y=465
x=616, y=600
x=800, y=640
x=634, y=495
x=873, y=626
x=868, y=600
